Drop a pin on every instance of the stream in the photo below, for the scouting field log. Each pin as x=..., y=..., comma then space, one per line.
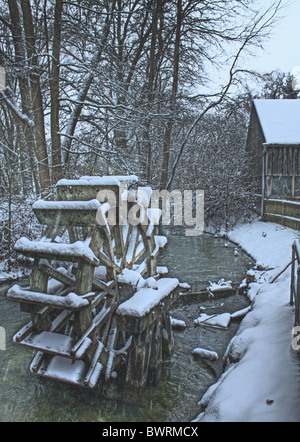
x=184, y=379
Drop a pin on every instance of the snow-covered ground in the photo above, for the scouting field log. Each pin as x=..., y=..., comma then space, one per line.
x=262, y=377
x=18, y=272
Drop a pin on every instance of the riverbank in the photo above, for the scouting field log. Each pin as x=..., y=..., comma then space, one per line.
x=261, y=382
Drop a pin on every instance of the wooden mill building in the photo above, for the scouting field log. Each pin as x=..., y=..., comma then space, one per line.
x=273, y=146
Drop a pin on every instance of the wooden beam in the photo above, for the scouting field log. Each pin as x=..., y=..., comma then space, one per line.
x=55, y=274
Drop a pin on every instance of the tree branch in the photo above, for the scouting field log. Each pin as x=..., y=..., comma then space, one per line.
x=254, y=32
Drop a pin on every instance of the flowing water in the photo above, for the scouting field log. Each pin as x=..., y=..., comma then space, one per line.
x=183, y=380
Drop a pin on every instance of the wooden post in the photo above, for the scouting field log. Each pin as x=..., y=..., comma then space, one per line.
x=39, y=284
x=293, y=186
x=263, y=183
x=84, y=285
x=293, y=274
x=297, y=302
x=139, y=358
x=167, y=336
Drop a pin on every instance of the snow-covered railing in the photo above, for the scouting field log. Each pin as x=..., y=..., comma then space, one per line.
x=295, y=281
x=284, y=212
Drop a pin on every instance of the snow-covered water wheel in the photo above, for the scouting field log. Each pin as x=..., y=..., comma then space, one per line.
x=97, y=299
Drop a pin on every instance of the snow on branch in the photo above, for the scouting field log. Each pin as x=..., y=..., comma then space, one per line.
x=12, y=105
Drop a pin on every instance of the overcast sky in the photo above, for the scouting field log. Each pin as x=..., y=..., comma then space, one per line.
x=282, y=51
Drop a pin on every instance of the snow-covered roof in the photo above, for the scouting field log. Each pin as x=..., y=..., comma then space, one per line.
x=280, y=120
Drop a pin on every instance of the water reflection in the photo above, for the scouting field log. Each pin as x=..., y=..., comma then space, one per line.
x=25, y=397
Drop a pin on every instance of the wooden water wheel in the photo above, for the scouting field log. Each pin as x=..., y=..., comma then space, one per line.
x=99, y=304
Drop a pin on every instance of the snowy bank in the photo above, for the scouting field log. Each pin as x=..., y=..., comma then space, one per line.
x=262, y=377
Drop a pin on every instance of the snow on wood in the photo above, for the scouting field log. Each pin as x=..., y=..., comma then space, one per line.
x=220, y=321
x=50, y=343
x=161, y=270
x=146, y=299
x=15, y=109
x=65, y=369
x=293, y=203
x=18, y=337
x=185, y=285
x=91, y=372
x=206, y=354
x=61, y=318
x=177, y=324
x=160, y=243
x=36, y=362
x=90, y=181
x=95, y=375
x=127, y=179
x=109, y=365
x=83, y=348
x=150, y=283
x=124, y=350
x=67, y=205
x=131, y=246
x=54, y=286
x=72, y=301
x=102, y=216
x=77, y=250
x=100, y=273
x=135, y=279
x=221, y=286
x=129, y=277
x=241, y=313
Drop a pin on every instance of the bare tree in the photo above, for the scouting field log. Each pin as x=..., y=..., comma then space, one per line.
x=110, y=86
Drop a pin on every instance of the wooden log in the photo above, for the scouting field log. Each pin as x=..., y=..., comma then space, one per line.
x=66, y=217
x=37, y=300
x=119, y=241
x=39, y=284
x=78, y=190
x=94, y=327
x=84, y=285
x=77, y=252
x=37, y=362
x=73, y=234
x=52, y=273
x=24, y=332
x=281, y=273
x=167, y=335
x=139, y=358
x=94, y=363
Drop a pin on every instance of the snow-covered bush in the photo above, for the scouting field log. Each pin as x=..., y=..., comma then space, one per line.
x=16, y=220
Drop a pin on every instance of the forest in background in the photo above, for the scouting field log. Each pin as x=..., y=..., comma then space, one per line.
x=109, y=87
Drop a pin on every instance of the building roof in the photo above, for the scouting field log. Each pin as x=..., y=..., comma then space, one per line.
x=280, y=120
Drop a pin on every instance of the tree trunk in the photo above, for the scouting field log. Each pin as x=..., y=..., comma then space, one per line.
x=157, y=4
x=120, y=137
x=74, y=118
x=168, y=134
x=24, y=84
x=36, y=96
x=54, y=89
